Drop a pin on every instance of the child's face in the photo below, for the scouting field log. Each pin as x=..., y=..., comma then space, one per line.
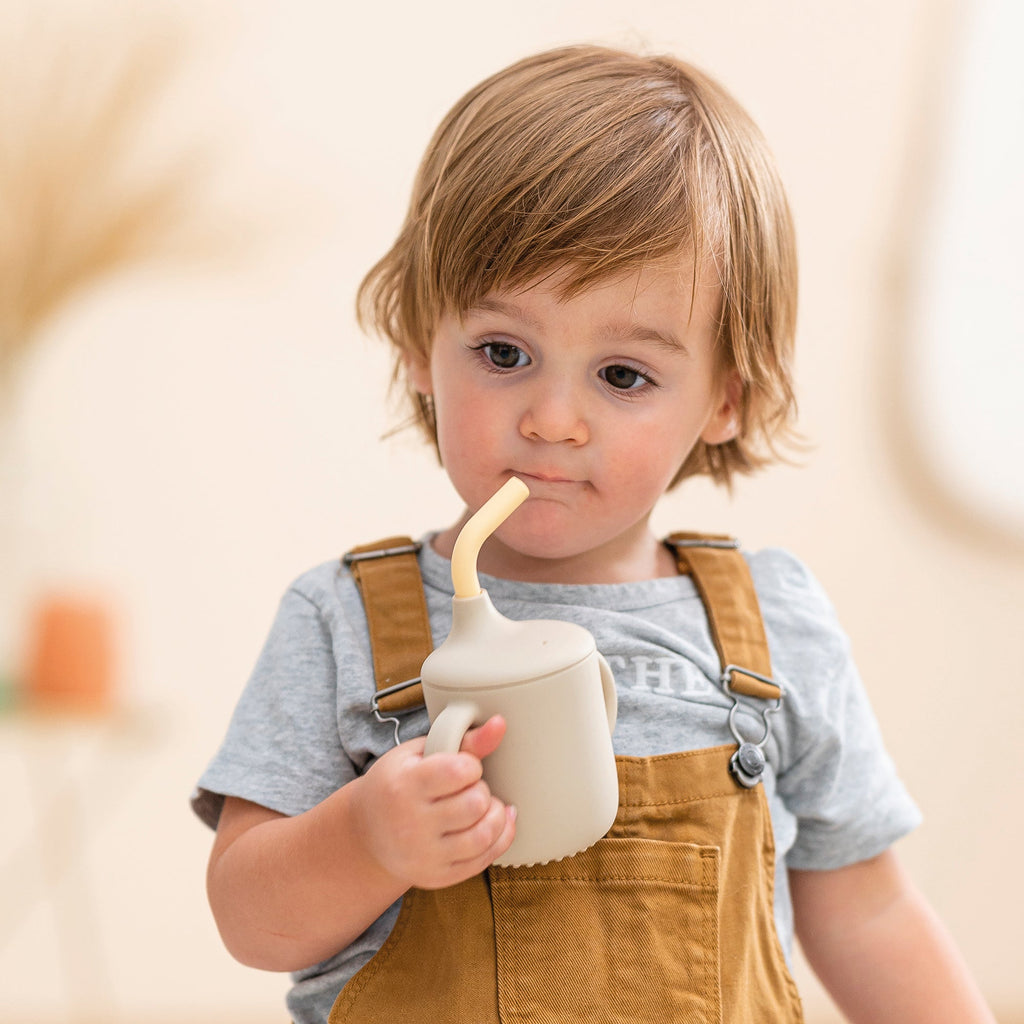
x=594, y=402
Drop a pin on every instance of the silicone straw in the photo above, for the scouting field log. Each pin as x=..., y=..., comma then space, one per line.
x=481, y=525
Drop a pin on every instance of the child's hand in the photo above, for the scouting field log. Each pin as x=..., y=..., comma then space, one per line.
x=432, y=821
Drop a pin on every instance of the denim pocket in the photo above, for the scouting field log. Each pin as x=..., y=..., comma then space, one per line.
x=626, y=931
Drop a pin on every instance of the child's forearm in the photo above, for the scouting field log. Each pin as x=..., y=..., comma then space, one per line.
x=880, y=950
x=289, y=892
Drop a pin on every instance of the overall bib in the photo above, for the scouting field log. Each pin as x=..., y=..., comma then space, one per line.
x=669, y=918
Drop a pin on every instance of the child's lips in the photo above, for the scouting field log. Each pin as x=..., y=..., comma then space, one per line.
x=547, y=478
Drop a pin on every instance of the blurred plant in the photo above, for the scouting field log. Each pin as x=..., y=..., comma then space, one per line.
x=79, y=195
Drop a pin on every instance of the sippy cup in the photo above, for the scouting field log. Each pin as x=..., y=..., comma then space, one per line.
x=555, y=692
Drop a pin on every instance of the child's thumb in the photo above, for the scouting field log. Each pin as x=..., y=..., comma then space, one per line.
x=484, y=739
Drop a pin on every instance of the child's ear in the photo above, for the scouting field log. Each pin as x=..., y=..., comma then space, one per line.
x=417, y=372
x=724, y=424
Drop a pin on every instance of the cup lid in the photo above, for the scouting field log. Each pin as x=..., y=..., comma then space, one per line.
x=485, y=649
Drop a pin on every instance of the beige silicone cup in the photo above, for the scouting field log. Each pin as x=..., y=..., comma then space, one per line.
x=555, y=691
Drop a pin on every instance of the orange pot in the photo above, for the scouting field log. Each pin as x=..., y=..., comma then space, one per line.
x=71, y=655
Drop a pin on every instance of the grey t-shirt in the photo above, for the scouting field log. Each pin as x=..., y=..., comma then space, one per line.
x=303, y=726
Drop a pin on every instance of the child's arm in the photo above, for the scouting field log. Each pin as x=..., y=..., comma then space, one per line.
x=288, y=892
x=879, y=949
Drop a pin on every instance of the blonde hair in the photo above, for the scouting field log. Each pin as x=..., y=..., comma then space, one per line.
x=602, y=162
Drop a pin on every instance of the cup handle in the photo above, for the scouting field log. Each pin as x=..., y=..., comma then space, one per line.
x=611, y=697
x=449, y=727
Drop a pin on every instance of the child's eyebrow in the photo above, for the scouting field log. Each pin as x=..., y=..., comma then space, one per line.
x=611, y=332
x=641, y=332
x=489, y=304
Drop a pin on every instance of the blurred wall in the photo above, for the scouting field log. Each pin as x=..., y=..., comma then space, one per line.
x=188, y=434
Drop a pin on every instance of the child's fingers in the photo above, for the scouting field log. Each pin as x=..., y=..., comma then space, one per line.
x=447, y=823
x=441, y=776
x=476, y=849
x=484, y=739
x=444, y=774
x=463, y=810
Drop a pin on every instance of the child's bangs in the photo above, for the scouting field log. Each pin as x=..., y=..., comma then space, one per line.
x=594, y=192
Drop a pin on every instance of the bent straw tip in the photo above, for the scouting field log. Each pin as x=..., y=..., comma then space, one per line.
x=515, y=488
x=481, y=525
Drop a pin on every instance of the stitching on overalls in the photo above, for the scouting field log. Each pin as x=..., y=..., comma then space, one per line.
x=733, y=791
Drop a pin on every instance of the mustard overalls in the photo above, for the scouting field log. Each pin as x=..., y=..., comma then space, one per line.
x=669, y=918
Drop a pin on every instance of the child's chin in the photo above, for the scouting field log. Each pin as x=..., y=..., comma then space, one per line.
x=545, y=541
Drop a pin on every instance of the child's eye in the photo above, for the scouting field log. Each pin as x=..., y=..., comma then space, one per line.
x=624, y=378
x=504, y=356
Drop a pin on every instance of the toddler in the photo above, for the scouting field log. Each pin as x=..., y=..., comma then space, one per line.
x=594, y=290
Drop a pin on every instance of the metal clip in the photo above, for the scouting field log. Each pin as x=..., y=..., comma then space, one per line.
x=720, y=543
x=387, y=692
x=748, y=763
x=368, y=556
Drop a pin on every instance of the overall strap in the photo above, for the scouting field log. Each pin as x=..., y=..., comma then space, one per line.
x=388, y=576
x=723, y=581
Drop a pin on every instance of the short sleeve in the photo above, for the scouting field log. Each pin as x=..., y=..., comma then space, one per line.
x=835, y=777
x=282, y=749
x=845, y=792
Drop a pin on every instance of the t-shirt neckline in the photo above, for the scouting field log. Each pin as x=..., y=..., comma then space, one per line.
x=437, y=572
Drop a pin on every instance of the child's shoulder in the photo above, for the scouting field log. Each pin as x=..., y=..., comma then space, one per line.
x=793, y=603
x=810, y=652
x=779, y=570
x=322, y=576
x=326, y=588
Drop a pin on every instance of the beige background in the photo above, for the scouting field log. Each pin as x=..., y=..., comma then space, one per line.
x=188, y=435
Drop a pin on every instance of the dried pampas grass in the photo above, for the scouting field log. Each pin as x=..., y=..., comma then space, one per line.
x=84, y=188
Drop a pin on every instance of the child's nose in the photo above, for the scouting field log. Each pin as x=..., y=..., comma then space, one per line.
x=554, y=414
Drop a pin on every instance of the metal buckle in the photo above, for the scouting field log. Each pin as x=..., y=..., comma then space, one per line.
x=366, y=556
x=387, y=692
x=726, y=543
x=726, y=681
x=748, y=763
